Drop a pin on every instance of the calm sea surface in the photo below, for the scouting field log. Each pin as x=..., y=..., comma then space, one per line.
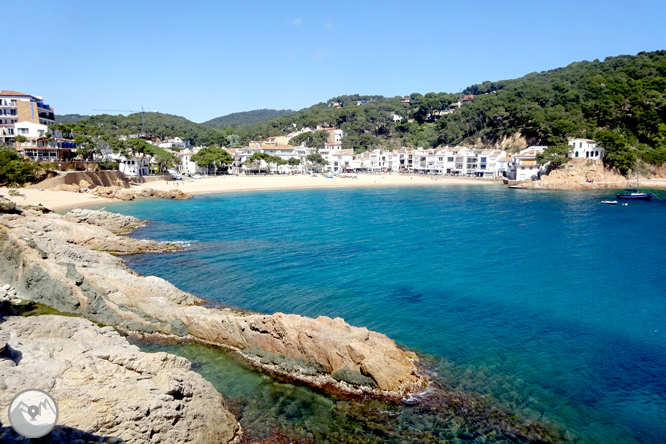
x=550, y=303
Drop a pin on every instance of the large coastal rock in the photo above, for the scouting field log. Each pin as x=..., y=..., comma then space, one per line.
x=63, y=262
x=114, y=222
x=88, y=231
x=123, y=194
x=106, y=387
x=579, y=174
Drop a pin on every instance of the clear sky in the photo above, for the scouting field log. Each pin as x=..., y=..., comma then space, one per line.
x=204, y=59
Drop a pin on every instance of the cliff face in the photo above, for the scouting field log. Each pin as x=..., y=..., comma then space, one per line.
x=63, y=262
x=106, y=388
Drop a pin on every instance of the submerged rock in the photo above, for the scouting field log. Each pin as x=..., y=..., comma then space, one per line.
x=108, y=388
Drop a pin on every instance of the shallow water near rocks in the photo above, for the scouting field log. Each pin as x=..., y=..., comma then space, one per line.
x=549, y=303
x=275, y=409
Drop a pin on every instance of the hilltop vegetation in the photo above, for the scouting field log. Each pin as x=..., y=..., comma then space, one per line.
x=157, y=124
x=620, y=102
x=246, y=118
x=69, y=118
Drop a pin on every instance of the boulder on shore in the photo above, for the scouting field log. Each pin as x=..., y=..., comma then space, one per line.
x=125, y=194
x=107, y=388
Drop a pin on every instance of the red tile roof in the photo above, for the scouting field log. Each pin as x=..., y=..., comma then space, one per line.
x=13, y=93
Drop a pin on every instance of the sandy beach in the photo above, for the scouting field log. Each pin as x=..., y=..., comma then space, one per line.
x=64, y=199
x=275, y=182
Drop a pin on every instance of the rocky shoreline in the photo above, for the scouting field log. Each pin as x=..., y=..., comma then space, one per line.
x=578, y=174
x=107, y=184
x=105, y=388
x=120, y=193
x=67, y=262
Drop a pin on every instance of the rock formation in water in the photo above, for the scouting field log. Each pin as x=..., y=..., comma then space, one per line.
x=63, y=262
x=106, y=388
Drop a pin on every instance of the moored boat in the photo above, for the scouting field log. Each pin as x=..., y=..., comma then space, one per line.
x=634, y=193
x=609, y=202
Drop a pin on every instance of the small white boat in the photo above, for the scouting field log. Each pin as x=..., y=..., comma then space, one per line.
x=609, y=202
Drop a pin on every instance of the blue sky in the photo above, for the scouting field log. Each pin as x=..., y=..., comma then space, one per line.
x=204, y=59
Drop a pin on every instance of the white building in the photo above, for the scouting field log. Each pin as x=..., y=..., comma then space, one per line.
x=176, y=142
x=186, y=165
x=283, y=152
x=328, y=153
x=19, y=107
x=133, y=166
x=585, y=148
x=523, y=166
x=488, y=165
x=35, y=146
x=379, y=160
x=503, y=166
x=340, y=161
x=30, y=130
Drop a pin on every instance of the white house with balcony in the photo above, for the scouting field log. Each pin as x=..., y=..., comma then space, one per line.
x=585, y=149
x=340, y=161
x=523, y=165
x=187, y=165
x=30, y=130
x=133, y=165
x=489, y=165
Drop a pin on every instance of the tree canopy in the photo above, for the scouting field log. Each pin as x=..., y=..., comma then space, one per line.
x=14, y=170
x=245, y=118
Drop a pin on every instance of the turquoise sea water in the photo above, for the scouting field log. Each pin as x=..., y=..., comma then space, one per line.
x=549, y=302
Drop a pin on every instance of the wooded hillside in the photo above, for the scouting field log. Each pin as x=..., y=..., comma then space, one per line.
x=620, y=102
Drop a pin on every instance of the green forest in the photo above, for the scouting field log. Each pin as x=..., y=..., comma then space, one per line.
x=246, y=118
x=69, y=118
x=620, y=102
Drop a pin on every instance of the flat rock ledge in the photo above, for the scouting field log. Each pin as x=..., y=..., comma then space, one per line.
x=63, y=262
x=106, y=389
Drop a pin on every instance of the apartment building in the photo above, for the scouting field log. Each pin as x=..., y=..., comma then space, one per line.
x=19, y=107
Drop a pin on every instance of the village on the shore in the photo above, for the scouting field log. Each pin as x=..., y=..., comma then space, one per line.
x=25, y=120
